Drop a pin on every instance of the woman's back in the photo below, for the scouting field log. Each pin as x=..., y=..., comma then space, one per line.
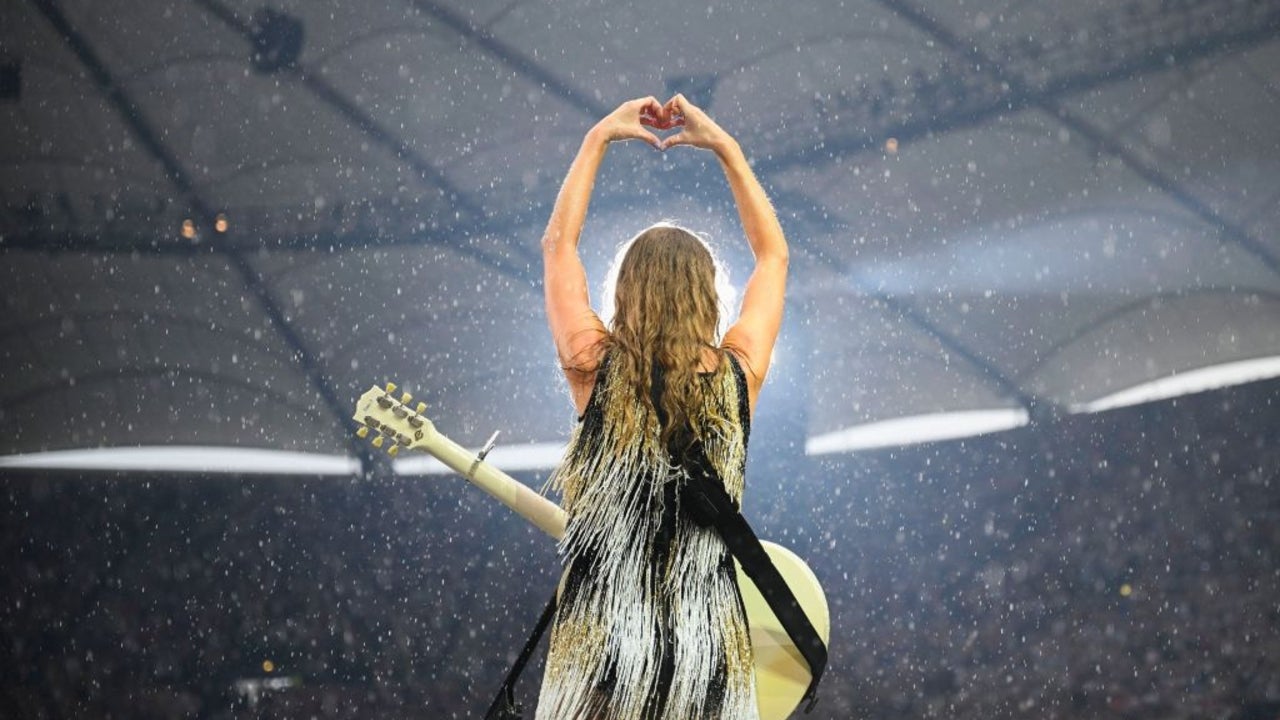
x=650, y=622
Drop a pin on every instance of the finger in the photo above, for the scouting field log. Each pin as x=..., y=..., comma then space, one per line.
x=630, y=110
x=667, y=117
x=678, y=112
x=677, y=104
x=671, y=141
x=651, y=106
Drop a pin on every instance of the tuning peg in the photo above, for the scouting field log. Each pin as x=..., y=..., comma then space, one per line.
x=377, y=442
x=393, y=450
x=391, y=388
x=405, y=398
x=421, y=406
x=362, y=432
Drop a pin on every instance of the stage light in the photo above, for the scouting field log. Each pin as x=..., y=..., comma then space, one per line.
x=189, y=229
x=268, y=666
x=184, y=458
x=891, y=146
x=220, y=223
x=511, y=458
x=1187, y=382
x=912, y=429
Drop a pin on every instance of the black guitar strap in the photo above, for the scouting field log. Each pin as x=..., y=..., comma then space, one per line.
x=504, y=706
x=709, y=504
x=706, y=492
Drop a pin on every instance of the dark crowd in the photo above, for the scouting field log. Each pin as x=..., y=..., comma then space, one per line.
x=1119, y=565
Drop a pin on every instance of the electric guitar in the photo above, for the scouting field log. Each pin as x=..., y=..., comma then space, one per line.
x=782, y=676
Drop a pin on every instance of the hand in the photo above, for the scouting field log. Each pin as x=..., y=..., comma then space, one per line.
x=629, y=120
x=699, y=131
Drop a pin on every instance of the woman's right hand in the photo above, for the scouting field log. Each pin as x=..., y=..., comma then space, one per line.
x=629, y=120
x=699, y=131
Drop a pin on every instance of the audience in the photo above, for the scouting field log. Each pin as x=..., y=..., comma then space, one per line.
x=1121, y=565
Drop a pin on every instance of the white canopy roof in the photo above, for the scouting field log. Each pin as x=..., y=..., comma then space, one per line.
x=995, y=206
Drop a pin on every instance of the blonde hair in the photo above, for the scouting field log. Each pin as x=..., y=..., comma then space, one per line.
x=666, y=309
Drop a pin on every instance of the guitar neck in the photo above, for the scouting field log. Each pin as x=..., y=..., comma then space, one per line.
x=393, y=420
x=544, y=514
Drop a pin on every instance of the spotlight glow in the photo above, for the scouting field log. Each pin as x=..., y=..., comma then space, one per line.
x=509, y=458
x=914, y=429
x=194, y=459
x=1186, y=383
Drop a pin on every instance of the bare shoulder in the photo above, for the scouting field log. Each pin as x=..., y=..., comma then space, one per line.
x=753, y=353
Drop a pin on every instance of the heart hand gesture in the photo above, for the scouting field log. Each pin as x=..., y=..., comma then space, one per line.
x=632, y=120
x=697, y=129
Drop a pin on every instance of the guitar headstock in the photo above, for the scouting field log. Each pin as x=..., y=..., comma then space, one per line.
x=390, y=420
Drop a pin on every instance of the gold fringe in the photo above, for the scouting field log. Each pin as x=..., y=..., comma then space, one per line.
x=612, y=491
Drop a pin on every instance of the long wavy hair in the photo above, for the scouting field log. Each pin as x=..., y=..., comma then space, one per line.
x=666, y=309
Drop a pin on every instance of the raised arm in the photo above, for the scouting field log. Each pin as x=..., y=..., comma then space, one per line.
x=754, y=333
x=575, y=327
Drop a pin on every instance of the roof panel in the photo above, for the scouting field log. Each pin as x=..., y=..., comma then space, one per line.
x=1159, y=336
x=142, y=349
x=869, y=363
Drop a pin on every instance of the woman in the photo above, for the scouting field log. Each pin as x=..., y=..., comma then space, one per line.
x=650, y=621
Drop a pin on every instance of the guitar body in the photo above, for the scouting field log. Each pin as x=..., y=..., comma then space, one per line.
x=782, y=675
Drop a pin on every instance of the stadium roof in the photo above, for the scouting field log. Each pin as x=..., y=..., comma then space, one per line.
x=221, y=221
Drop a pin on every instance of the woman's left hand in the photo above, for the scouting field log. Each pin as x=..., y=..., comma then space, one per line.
x=631, y=118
